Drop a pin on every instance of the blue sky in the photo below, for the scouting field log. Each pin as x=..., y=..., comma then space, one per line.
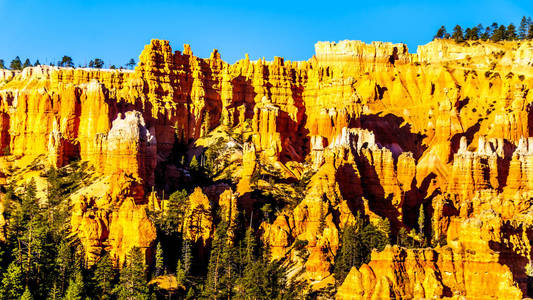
x=118, y=30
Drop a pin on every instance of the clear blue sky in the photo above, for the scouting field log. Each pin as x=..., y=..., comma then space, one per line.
x=118, y=30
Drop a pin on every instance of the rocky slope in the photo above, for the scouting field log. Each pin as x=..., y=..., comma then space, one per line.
x=373, y=128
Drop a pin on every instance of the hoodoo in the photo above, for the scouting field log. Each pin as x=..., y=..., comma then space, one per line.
x=365, y=172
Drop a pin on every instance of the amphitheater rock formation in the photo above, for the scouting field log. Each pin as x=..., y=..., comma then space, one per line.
x=366, y=128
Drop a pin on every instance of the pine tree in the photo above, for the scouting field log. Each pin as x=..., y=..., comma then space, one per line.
x=322, y=220
x=159, y=263
x=421, y=221
x=194, y=165
x=479, y=31
x=104, y=277
x=486, y=35
x=27, y=63
x=132, y=283
x=29, y=204
x=173, y=217
x=12, y=281
x=26, y=295
x=63, y=262
x=37, y=63
x=16, y=64
x=458, y=34
x=2, y=64
x=510, y=33
x=76, y=287
x=441, y=33
x=250, y=245
x=530, y=33
x=186, y=254
x=523, y=28
x=499, y=34
x=384, y=227
x=218, y=263
x=493, y=27
x=349, y=254
x=98, y=63
x=131, y=63
x=403, y=238
x=180, y=274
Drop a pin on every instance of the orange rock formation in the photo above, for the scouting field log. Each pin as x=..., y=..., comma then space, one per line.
x=384, y=131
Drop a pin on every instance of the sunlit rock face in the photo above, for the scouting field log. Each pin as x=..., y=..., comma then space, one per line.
x=381, y=131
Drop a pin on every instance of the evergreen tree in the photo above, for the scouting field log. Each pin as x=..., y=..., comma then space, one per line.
x=473, y=33
x=441, y=33
x=479, y=30
x=173, y=217
x=486, y=34
x=384, y=227
x=16, y=64
x=421, y=225
x=458, y=34
x=104, y=277
x=421, y=220
x=26, y=295
x=12, y=281
x=63, y=262
x=350, y=254
x=523, y=28
x=530, y=33
x=180, y=274
x=2, y=65
x=37, y=63
x=186, y=254
x=250, y=245
x=322, y=220
x=66, y=61
x=131, y=63
x=221, y=271
x=159, y=263
x=510, y=33
x=493, y=27
x=98, y=63
x=76, y=287
x=27, y=63
x=499, y=34
x=132, y=283
x=194, y=165
x=402, y=238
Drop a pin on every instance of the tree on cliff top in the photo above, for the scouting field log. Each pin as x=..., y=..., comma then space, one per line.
x=66, y=61
x=16, y=64
x=458, y=33
x=2, y=66
x=96, y=63
x=523, y=28
x=27, y=63
x=441, y=33
x=131, y=63
x=510, y=33
x=499, y=33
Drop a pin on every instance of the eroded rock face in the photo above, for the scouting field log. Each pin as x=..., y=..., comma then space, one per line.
x=383, y=131
x=398, y=273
